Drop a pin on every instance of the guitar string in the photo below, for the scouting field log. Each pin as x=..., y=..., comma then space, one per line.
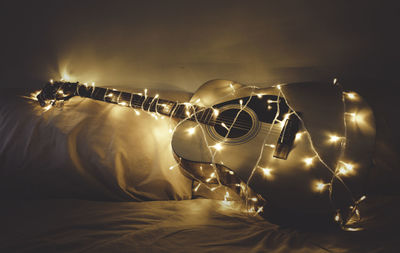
x=242, y=125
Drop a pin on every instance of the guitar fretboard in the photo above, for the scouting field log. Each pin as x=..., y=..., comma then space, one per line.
x=142, y=101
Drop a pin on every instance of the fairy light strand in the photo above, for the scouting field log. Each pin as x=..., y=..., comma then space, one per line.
x=341, y=169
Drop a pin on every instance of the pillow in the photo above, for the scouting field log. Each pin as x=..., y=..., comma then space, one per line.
x=86, y=149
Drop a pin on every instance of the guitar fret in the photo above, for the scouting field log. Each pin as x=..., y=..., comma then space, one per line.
x=144, y=102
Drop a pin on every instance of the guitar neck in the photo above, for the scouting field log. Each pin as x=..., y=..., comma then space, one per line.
x=141, y=101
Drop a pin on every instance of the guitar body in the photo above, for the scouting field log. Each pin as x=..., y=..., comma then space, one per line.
x=289, y=183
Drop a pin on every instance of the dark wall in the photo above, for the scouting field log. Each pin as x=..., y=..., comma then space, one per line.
x=182, y=44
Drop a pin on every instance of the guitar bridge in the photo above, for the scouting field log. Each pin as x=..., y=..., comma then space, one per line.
x=286, y=138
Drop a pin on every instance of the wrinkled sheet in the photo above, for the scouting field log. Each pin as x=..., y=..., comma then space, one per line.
x=86, y=149
x=50, y=160
x=198, y=225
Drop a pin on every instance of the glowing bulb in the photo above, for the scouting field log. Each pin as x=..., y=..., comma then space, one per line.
x=212, y=175
x=254, y=199
x=278, y=86
x=224, y=126
x=215, y=112
x=337, y=217
x=110, y=95
x=51, y=81
x=231, y=172
x=269, y=107
x=93, y=83
x=355, y=117
x=123, y=103
x=270, y=145
x=34, y=95
x=260, y=209
x=308, y=161
x=334, y=138
x=350, y=95
x=197, y=187
x=230, y=85
x=137, y=112
x=298, y=136
x=218, y=146
x=156, y=96
x=241, y=102
x=334, y=81
x=259, y=95
x=345, y=168
x=60, y=92
x=171, y=168
x=270, y=101
x=320, y=186
x=226, y=196
x=191, y=130
x=46, y=108
x=267, y=172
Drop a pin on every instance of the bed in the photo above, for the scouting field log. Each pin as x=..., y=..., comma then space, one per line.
x=94, y=177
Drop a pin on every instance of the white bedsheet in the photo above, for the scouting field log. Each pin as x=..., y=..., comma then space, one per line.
x=50, y=160
x=180, y=226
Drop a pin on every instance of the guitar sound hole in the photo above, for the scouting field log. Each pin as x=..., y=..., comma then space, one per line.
x=241, y=126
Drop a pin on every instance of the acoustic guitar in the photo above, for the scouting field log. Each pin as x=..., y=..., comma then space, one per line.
x=300, y=146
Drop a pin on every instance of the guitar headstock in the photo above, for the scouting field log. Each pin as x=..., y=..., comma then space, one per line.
x=56, y=90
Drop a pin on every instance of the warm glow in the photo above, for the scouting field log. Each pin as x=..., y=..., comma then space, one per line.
x=345, y=168
x=218, y=146
x=270, y=145
x=46, y=108
x=308, y=161
x=267, y=172
x=191, y=130
x=171, y=168
x=320, y=186
x=224, y=126
x=51, y=81
x=137, y=112
x=278, y=87
x=197, y=187
x=334, y=138
x=123, y=103
x=34, y=95
x=298, y=136
x=259, y=95
x=350, y=95
x=216, y=112
x=355, y=117
x=285, y=118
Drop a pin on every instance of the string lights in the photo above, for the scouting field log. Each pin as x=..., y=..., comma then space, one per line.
x=213, y=176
